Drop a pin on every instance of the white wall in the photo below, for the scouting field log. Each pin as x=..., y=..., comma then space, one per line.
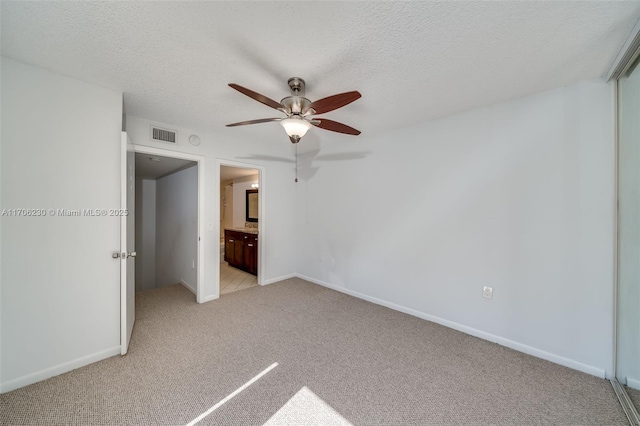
x=240, y=186
x=177, y=228
x=60, y=296
x=145, y=234
x=271, y=150
x=518, y=196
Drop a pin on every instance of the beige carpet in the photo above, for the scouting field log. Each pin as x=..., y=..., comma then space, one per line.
x=340, y=360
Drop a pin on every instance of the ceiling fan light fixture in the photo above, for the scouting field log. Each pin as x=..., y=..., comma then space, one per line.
x=295, y=126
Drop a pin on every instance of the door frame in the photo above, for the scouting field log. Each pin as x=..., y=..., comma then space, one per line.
x=261, y=214
x=199, y=159
x=127, y=279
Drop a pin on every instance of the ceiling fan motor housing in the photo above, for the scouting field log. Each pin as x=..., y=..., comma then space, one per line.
x=296, y=105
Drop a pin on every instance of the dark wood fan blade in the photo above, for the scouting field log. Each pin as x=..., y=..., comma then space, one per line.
x=257, y=96
x=334, y=126
x=261, y=120
x=334, y=102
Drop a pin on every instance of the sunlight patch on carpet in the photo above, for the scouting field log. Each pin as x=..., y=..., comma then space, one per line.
x=307, y=408
x=231, y=395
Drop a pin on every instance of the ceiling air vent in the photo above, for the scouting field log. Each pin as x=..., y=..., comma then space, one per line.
x=163, y=135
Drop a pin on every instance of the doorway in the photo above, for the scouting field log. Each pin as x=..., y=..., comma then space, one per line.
x=241, y=239
x=166, y=231
x=169, y=219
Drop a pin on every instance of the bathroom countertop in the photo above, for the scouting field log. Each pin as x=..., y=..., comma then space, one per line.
x=245, y=230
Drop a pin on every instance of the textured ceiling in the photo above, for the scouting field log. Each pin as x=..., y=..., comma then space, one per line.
x=148, y=167
x=412, y=61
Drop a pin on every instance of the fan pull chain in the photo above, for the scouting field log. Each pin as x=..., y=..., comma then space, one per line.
x=296, y=163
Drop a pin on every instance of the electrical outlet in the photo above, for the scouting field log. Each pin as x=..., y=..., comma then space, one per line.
x=277, y=255
x=193, y=264
x=487, y=292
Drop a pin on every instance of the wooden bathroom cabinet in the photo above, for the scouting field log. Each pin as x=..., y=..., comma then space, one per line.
x=241, y=250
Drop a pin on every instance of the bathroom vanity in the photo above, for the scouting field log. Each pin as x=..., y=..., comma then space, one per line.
x=241, y=249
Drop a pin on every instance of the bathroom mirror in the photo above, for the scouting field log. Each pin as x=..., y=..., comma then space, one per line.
x=252, y=205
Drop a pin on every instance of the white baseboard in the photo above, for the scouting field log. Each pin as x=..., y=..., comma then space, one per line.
x=209, y=298
x=282, y=278
x=189, y=287
x=58, y=369
x=633, y=383
x=529, y=350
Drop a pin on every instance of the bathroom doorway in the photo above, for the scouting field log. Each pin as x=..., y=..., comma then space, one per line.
x=240, y=239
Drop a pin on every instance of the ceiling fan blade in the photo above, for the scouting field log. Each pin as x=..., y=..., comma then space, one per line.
x=261, y=120
x=334, y=102
x=257, y=96
x=334, y=126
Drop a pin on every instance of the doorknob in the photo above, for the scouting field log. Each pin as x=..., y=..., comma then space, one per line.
x=131, y=254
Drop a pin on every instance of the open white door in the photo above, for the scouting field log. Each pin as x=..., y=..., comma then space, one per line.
x=127, y=242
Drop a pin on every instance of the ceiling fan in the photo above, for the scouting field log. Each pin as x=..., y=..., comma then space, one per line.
x=300, y=109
